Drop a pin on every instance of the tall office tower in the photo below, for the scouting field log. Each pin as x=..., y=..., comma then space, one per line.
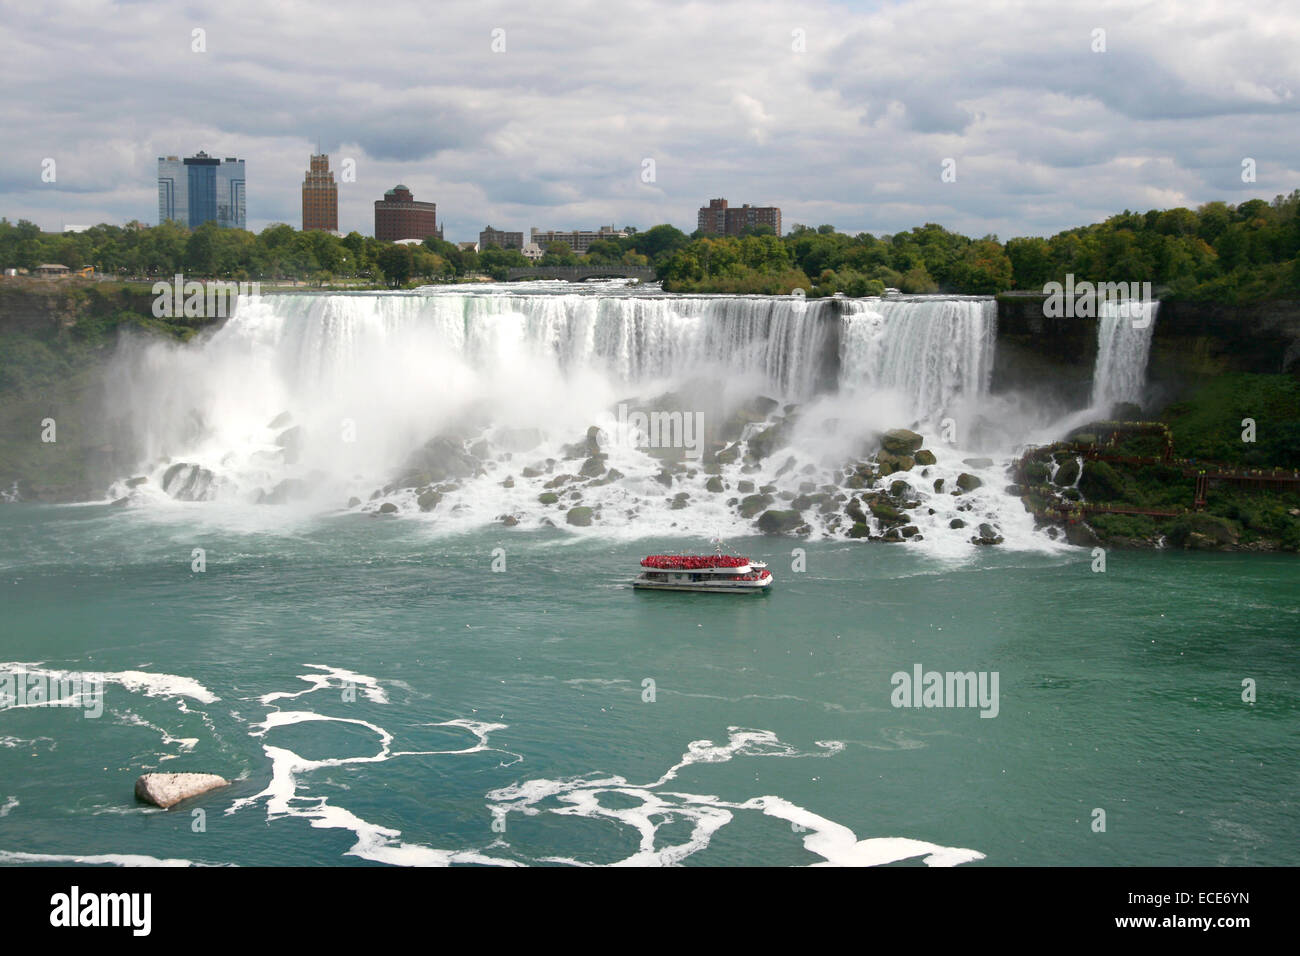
x=201, y=188
x=320, y=196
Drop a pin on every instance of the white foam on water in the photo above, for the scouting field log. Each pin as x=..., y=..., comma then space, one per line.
x=332, y=676
x=373, y=842
x=100, y=859
x=9, y=804
x=581, y=797
x=171, y=686
x=837, y=845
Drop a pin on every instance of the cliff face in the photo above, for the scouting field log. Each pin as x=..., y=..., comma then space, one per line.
x=55, y=336
x=1192, y=343
x=1051, y=358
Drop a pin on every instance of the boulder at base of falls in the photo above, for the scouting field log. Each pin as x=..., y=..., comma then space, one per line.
x=1080, y=535
x=977, y=462
x=890, y=463
x=388, y=508
x=988, y=535
x=188, y=482
x=779, y=522
x=753, y=504
x=714, y=485
x=901, y=441
x=428, y=500
x=548, y=498
x=579, y=517
x=968, y=482
x=925, y=457
x=1068, y=472
x=593, y=467
x=956, y=523
x=859, y=530
x=885, y=512
x=168, y=789
x=441, y=458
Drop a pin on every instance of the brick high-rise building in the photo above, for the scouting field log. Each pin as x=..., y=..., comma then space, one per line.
x=719, y=219
x=320, y=196
x=399, y=216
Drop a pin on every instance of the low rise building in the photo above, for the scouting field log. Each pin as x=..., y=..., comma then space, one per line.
x=578, y=240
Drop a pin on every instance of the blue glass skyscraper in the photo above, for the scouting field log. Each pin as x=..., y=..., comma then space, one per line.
x=201, y=188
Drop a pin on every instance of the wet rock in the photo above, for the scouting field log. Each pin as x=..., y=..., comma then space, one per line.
x=899, y=488
x=938, y=485
x=353, y=501
x=714, y=485
x=1068, y=472
x=890, y=462
x=508, y=520
x=901, y=441
x=745, y=487
x=442, y=458
x=593, y=467
x=168, y=789
x=925, y=457
x=548, y=498
x=779, y=522
x=291, y=441
x=956, y=523
x=753, y=504
x=287, y=490
x=579, y=517
x=428, y=500
x=532, y=472
x=884, y=511
x=388, y=508
x=910, y=531
x=968, y=482
x=665, y=479
x=680, y=501
x=186, y=481
x=136, y=482
x=978, y=462
x=859, y=530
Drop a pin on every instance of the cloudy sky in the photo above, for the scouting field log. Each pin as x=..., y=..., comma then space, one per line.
x=556, y=114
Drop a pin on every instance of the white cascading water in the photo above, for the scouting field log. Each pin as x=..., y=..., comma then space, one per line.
x=330, y=394
x=936, y=353
x=1124, y=332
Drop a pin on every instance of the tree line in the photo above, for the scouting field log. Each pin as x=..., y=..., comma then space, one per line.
x=1218, y=251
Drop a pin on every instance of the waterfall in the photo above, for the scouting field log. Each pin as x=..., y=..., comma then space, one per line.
x=464, y=407
x=1123, y=345
x=935, y=352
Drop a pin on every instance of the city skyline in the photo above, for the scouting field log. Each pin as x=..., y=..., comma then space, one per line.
x=844, y=113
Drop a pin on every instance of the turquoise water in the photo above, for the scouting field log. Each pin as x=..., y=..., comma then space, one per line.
x=519, y=697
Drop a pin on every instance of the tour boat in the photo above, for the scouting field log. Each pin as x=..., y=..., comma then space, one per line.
x=703, y=572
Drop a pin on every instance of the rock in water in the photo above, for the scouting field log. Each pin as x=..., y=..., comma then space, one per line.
x=901, y=441
x=167, y=789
